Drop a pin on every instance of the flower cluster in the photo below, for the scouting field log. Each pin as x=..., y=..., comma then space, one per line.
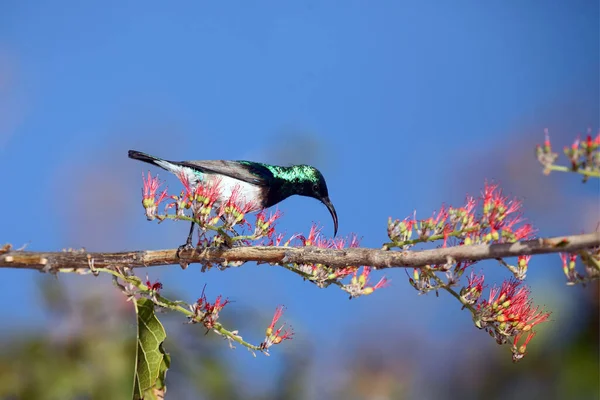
x=153, y=290
x=202, y=202
x=324, y=275
x=201, y=312
x=264, y=226
x=520, y=270
x=276, y=336
x=498, y=220
x=359, y=284
x=233, y=211
x=591, y=261
x=200, y=198
x=425, y=279
x=568, y=263
x=153, y=287
x=507, y=314
x=471, y=293
x=490, y=218
x=149, y=200
x=583, y=155
x=205, y=312
x=544, y=153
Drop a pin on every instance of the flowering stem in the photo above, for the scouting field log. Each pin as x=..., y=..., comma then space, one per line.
x=589, y=260
x=310, y=277
x=175, y=306
x=508, y=266
x=433, y=238
x=562, y=168
x=242, y=238
x=448, y=289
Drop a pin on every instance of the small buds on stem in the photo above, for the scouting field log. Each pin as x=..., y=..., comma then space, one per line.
x=583, y=155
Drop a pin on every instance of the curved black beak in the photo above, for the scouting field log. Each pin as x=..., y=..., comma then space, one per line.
x=331, y=209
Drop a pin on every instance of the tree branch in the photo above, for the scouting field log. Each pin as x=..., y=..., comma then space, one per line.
x=78, y=260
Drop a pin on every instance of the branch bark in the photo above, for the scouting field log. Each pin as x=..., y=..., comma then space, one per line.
x=82, y=260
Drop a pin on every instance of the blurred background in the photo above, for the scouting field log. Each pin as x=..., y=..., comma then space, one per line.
x=402, y=105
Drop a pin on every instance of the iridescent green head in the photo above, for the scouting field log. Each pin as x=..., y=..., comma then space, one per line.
x=309, y=181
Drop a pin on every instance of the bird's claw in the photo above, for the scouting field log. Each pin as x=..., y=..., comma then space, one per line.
x=184, y=247
x=227, y=242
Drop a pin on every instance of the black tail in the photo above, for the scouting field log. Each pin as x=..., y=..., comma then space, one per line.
x=138, y=155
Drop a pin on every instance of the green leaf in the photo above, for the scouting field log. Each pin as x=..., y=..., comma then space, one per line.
x=152, y=362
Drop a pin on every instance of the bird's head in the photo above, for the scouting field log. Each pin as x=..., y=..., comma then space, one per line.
x=313, y=185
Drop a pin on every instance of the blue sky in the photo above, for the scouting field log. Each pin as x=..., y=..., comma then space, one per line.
x=401, y=105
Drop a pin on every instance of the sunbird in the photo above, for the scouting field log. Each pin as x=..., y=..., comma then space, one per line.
x=259, y=184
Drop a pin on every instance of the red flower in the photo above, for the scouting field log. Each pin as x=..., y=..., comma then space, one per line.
x=441, y=216
x=279, y=240
x=471, y=293
x=523, y=261
x=520, y=351
x=547, y=145
x=575, y=145
x=234, y=209
x=204, y=198
x=497, y=207
x=208, y=193
x=149, y=200
x=315, y=239
x=264, y=225
x=487, y=196
x=435, y=224
x=447, y=230
x=183, y=177
x=400, y=231
x=354, y=241
x=153, y=287
x=276, y=337
x=313, y=234
x=509, y=312
x=343, y=272
x=359, y=284
x=525, y=231
x=568, y=261
x=530, y=317
x=470, y=206
x=206, y=312
x=498, y=296
x=502, y=215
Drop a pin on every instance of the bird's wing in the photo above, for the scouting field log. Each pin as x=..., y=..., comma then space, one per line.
x=256, y=174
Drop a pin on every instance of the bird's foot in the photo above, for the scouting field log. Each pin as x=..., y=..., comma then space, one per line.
x=227, y=242
x=186, y=246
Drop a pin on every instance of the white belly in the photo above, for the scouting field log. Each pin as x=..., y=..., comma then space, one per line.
x=247, y=193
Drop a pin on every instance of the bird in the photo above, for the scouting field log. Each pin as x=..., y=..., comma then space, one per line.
x=259, y=184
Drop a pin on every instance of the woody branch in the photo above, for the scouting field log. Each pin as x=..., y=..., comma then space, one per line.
x=80, y=260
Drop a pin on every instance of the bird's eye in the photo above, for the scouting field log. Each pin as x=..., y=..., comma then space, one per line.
x=315, y=187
